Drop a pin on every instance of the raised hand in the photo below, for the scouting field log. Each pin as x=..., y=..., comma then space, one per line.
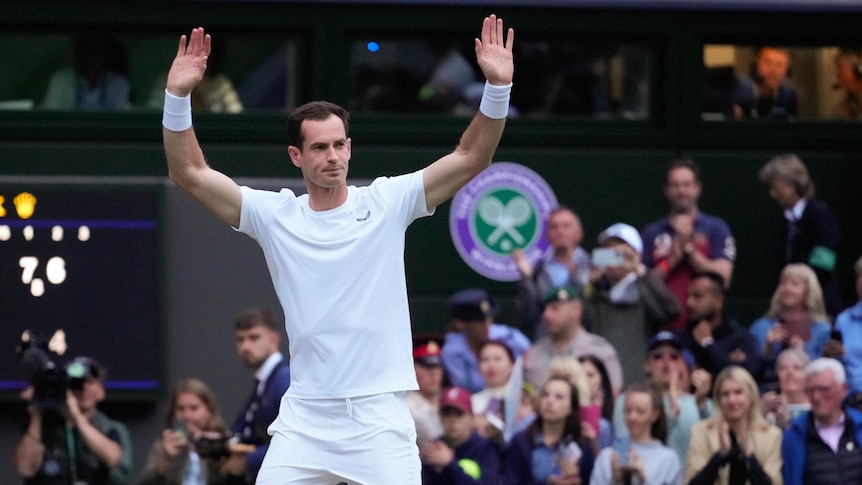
x=494, y=53
x=190, y=64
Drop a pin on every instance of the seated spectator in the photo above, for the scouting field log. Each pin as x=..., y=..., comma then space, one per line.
x=715, y=338
x=649, y=461
x=73, y=440
x=496, y=363
x=98, y=80
x=810, y=229
x=789, y=400
x=461, y=456
x=593, y=425
x=451, y=75
x=767, y=93
x=601, y=390
x=183, y=453
x=822, y=447
x=796, y=318
x=473, y=311
x=565, y=336
x=671, y=369
x=737, y=445
x=214, y=94
x=848, y=78
x=553, y=450
x=849, y=328
x=424, y=404
x=568, y=264
x=625, y=305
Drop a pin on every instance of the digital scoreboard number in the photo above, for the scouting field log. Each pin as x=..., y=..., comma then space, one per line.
x=82, y=258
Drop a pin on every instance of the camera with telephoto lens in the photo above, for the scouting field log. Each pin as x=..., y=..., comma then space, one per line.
x=49, y=377
x=212, y=445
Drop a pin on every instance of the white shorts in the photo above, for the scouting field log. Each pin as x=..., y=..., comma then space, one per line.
x=368, y=440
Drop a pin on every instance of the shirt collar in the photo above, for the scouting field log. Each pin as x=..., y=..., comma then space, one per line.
x=262, y=374
x=838, y=424
x=795, y=213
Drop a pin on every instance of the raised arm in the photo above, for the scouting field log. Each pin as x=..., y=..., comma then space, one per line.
x=186, y=164
x=479, y=142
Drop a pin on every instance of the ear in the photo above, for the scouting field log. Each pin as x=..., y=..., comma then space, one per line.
x=295, y=156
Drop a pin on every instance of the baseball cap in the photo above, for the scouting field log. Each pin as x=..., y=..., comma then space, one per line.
x=83, y=367
x=426, y=351
x=625, y=233
x=562, y=293
x=458, y=398
x=473, y=304
x=664, y=337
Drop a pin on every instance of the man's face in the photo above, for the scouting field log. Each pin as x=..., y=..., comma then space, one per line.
x=325, y=154
x=476, y=330
x=784, y=193
x=663, y=363
x=564, y=230
x=90, y=394
x=255, y=345
x=825, y=395
x=844, y=74
x=702, y=300
x=772, y=65
x=457, y=425
x=429, y=378
x=682, y=189
x=559, y=316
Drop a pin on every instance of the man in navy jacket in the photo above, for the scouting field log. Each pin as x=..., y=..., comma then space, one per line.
x=257, y=344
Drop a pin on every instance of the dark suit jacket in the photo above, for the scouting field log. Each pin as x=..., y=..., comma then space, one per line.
x=816, y=244
x=267, y=411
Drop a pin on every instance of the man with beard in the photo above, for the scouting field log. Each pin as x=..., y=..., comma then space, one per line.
x=687, y=240
x=715, y=339
x=257, y=345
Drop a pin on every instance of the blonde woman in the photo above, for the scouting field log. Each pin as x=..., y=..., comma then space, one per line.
x=737, y=445
x=796, y=318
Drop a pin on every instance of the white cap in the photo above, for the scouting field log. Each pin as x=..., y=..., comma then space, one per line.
x=625, y=233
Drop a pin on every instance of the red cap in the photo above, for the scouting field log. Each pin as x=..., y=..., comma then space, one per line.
x=427, y=354
x=458, y=398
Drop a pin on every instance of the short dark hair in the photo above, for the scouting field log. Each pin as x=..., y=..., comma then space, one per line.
x=716, y=279
x=255, y=316
x=683, y=162
x=317, y=111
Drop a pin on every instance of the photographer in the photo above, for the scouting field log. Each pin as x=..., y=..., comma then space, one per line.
x=73, y=442
x=193, y=445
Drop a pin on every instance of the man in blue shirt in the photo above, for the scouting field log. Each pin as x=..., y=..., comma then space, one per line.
x=473, y=311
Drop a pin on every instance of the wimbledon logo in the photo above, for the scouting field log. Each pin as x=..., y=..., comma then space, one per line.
x=504, y=208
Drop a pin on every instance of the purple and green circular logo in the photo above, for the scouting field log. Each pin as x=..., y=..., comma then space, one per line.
x=502, y=209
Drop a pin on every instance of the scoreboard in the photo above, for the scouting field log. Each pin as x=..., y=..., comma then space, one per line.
x=82, y=257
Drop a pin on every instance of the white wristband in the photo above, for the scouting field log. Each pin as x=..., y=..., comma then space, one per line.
x=178, y=112
x=495, y=101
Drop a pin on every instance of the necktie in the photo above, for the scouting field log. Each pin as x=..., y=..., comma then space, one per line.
x=254, y=403
x=792, y=231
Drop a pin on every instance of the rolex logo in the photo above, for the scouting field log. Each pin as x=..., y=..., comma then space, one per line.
x=25, y=204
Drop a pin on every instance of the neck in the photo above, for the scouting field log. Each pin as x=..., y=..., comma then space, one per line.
x=564, y=336
x=326, y=198
x=689, y=211
x=830, y=419
x=552, y=431
x=642, y=437
x=564, y=254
